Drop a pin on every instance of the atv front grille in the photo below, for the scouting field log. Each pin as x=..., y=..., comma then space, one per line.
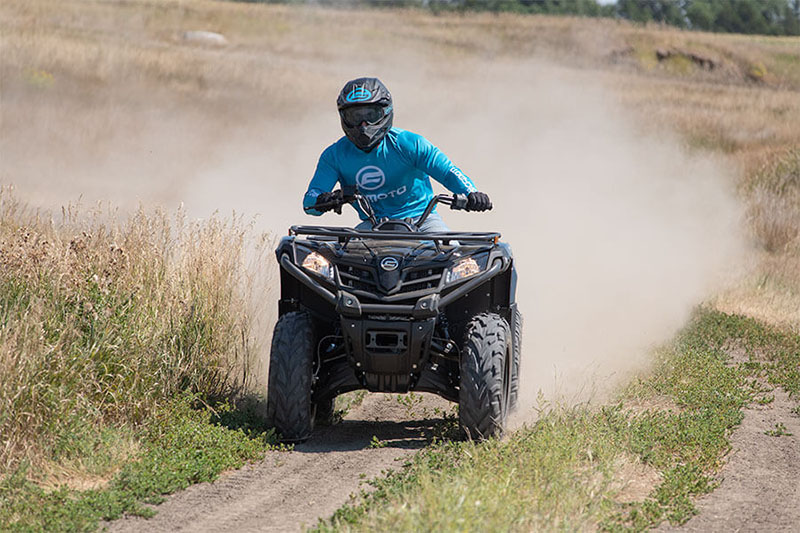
x=358, y=278
x=363, y=278
x=424, y=278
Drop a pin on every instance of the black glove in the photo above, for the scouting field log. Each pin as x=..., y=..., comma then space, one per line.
x=334, y=200
x=478, y=201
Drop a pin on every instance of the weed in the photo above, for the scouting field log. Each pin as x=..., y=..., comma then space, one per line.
x=411, y=401
x=778, y=431
x=376, y=443
x=765, y=400
x=345, y=402
x=447, y=428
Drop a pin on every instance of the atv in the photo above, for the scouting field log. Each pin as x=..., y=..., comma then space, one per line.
x=394, y=310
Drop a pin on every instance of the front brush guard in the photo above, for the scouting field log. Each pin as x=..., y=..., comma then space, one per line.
x=347, y=304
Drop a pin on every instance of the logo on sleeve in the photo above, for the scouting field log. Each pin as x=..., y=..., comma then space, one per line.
x=465, y=181
x=370, y=178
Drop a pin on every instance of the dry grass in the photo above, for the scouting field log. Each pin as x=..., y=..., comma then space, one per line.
x=104, y=321
x=774, y=194
x=771, y=292
x=137, y=42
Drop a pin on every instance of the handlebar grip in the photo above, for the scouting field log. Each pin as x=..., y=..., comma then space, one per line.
x=459, y=202
x=331, y=205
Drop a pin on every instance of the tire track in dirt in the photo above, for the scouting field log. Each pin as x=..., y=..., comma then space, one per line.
x=289, y=491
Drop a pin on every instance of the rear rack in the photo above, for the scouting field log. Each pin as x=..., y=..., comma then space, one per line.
x=350, y=233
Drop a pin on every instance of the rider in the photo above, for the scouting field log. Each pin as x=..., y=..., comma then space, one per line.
x=390, y=166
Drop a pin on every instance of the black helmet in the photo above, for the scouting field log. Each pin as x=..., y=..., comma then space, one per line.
x=365, y=101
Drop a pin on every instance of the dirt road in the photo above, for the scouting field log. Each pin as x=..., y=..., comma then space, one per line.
x=760, y=488
x=289, y=491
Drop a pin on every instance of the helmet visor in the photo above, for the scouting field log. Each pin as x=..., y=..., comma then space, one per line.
x=355, y=115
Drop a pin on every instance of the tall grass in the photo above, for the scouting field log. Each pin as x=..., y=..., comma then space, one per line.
x=104, y=322
x=774, y=206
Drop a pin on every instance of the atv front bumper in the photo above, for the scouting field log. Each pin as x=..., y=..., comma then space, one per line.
x=348, y=305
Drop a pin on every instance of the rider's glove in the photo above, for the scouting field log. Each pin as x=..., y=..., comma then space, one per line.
x=478, y=201
x=334, y=200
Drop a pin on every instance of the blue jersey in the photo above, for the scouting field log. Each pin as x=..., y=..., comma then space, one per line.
x=395, y=175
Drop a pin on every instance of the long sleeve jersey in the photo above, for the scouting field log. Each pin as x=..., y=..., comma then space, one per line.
x=395, y=175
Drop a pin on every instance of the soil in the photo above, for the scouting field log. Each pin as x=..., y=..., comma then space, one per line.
x=291, y=490
x=760, y=484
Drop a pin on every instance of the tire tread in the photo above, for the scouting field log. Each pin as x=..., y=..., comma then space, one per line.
x=482, y=408
x=289, y=407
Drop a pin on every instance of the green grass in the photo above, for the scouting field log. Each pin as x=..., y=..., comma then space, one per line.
x=563, y=472
x=182, y=446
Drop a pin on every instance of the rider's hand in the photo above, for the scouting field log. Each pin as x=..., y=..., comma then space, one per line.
x=334, y=200
x=478, y=201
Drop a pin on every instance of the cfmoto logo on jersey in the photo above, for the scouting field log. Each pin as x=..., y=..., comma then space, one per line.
x=358, y=94
x=389, y=264
x=370, y=178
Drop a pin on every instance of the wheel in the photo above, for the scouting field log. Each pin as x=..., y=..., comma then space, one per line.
x=325, y=412
x=291, y=362
x=485, y=382
x=516, y=360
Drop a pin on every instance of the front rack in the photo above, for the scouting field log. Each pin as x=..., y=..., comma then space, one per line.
x=350, y=233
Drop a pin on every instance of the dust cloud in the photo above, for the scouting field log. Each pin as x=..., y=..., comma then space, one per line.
x=617, y=230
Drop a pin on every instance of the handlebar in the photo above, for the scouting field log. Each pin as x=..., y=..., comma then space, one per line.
x=457, y=202
x=336, y=205
x=332, y=205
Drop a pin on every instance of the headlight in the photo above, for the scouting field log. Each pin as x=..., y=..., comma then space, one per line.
x=317, y=264
x=463, y=269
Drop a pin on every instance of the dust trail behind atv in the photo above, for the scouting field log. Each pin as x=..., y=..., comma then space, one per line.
x=288, y=491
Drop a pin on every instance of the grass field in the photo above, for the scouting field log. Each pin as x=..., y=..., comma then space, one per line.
x=108, y=316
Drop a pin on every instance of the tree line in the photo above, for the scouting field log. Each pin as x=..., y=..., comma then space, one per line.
x=765, y=17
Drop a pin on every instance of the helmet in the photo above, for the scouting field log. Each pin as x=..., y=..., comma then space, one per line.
x=365, y=107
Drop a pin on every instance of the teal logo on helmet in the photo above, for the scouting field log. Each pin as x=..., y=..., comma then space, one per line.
x=358, y=94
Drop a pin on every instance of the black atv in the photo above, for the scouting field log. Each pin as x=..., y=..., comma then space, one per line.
x=394, y=310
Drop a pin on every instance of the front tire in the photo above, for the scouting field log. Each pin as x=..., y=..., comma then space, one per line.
x=516, y=319
x=291, y=363
x=485, y=384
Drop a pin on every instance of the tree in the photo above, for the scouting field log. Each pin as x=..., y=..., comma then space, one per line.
x=791, y=18
x=772, y=17
x=635, y=10
x=700, y=15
